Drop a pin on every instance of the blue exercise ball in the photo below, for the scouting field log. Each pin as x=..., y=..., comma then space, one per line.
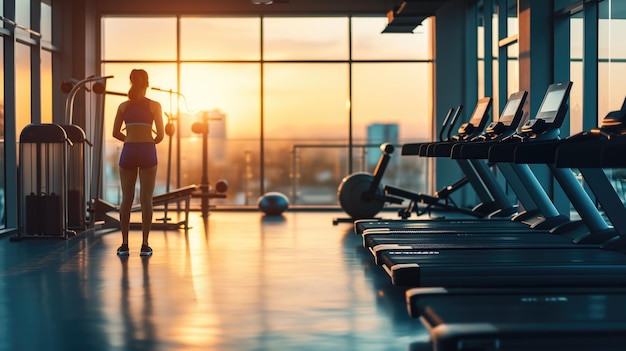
x=273, y=203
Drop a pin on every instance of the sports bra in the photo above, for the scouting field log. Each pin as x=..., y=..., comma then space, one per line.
x=137, y=113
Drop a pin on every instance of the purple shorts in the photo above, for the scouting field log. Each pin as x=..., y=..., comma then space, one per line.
x=138, y=155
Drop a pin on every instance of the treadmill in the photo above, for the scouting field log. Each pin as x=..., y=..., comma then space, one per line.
x=467, y=131
x=521, y=179
x=429, y=235
x=539, y=212
x=447, y=126
x=472, y=266
x=495, y=131
x=493, y=201
x=592, y=151
x=442, y=199
x=538, y=319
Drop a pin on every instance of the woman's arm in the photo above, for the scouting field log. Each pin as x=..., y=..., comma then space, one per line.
x=117, y=125
x=158, y=122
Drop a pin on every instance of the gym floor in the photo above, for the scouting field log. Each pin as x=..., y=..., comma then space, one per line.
x=234, y=281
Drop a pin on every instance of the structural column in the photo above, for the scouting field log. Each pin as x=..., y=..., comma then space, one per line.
x=536, y=70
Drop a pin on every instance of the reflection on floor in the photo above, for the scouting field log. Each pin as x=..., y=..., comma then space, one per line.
x=235, y=281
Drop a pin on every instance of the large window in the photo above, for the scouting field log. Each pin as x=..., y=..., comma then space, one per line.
x=611, y=56
x=576, y=74
x=284, y=99
x=212, y=39
x=46, y=61
x=151, y=39
x=597, y=61
x=289, y=39
x=497, y=38
x=2, y=148
x=22, y=86
x=315, y=112
x=25, y=87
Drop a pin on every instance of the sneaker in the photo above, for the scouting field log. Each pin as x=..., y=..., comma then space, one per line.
x=123, y=250
x=145, y=250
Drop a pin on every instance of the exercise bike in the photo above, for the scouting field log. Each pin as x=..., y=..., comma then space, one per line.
x=362, y=195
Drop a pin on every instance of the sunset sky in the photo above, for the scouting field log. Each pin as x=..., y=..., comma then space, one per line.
x=303, y=98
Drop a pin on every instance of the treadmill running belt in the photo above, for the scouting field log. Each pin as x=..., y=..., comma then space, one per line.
x=377, y=244
x=505, y=267
x=523, y=320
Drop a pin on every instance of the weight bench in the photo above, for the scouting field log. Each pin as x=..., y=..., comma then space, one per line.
x=173, y=196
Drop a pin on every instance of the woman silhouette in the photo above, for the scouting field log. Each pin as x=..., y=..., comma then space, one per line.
x=138, y=156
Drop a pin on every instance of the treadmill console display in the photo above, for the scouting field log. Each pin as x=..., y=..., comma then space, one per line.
x=479, y=118
x=552, y=110
x=552, y=102
x=553, y=107
x=510, y=110
x=482, y=108
x=511, y=115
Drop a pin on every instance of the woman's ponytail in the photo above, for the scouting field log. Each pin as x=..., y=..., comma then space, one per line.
x=139, y=84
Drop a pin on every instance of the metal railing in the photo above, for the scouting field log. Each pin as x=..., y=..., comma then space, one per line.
x=410, y=173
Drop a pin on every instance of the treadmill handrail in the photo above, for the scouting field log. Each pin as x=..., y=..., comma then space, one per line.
x=445, y=123
x=455, y=117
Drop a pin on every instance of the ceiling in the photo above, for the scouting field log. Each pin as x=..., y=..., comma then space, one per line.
x=403, y=15
x=279, y=7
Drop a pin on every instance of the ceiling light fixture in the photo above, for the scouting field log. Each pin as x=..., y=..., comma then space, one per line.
x=262, y=2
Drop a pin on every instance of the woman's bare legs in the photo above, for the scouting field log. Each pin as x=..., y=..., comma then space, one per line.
x=128, y=178
x=147, y=180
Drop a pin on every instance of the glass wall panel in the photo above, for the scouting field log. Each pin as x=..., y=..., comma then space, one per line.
x=139, y=39
x=312, y=109
x=398, y=93
x=309, y=106
x=229, y=96
x=22, y=13
x=22, y=87
x=369, y=44
x=46, y=21
x=305, y=38
x=480, y=48
x=494, y=32
x=392, y=102
x=494, y=62
x=512, y=22
x=495, y=108
x=612, y=56
x=481, y=78
x=506, y=13
x=213, y=38
x=612, y=70
x=46, y=86
x=576, y=74
x=2, y=150
x=512, y=68
x=487, y=48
